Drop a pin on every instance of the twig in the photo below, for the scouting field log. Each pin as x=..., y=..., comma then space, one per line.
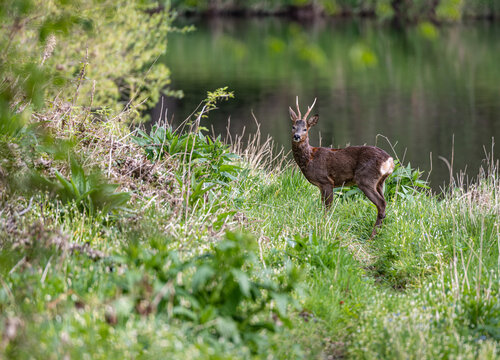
x=91, y=102
x=44, y=275
x=110, y=155
x=19, y=263
x=22, y=212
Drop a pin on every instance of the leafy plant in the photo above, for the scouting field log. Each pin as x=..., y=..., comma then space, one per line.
x=211, y=157
x=404, y=182
x=206, y=162
x=222, y=293
x=90, y=192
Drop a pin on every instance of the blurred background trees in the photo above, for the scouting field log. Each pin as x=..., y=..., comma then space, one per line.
x=401, y=10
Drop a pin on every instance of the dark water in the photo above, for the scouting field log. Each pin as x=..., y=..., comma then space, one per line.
x=421, y=87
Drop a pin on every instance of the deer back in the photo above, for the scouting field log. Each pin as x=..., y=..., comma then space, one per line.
x=343, y=166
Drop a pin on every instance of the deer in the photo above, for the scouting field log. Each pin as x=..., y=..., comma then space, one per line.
x=365, y=166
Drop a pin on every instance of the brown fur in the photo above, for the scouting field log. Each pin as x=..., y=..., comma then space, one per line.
x=327, y=168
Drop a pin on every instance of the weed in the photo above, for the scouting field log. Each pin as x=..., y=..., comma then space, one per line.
x=222, y=293
x=90, y=192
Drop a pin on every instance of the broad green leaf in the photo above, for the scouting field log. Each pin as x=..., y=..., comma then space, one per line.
x=242, y=280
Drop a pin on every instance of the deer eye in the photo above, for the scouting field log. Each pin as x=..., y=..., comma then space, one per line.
x=304, y=130
x=293, y=128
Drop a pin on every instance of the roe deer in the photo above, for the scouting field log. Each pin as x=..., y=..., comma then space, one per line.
x=364, y=166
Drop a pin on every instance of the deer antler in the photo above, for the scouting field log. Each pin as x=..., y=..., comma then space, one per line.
x=297, y=103
x=309, y=108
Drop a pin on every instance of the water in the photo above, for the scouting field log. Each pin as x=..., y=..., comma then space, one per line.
x=423, y=88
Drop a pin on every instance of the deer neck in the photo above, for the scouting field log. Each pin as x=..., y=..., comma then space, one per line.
x=301, y=153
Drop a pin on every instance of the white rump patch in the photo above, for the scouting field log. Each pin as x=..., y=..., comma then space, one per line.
x=387, y=166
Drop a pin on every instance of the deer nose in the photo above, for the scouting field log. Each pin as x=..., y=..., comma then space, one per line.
x=296, y=137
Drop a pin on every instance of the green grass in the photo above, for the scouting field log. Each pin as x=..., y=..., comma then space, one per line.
x=425, y=287
x=84, y=285
x=243, y=266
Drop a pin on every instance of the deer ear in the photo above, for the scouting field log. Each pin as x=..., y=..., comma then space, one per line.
x=293, y=115
x=313, y=120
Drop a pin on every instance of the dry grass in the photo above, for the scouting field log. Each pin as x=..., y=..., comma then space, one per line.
x=256, y=152
x=107, y=145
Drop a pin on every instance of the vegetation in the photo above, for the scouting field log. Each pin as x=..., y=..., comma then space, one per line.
x=135, y=244
x=403, y=11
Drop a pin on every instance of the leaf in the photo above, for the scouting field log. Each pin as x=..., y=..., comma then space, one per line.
x=267, y=325
x=242, y=280
x=281, y=302
x=201, y=277
x=65, y=183
x=227, y=328
x=180, y=312
x=172, y=147
x=78, y=175
x=208, y=313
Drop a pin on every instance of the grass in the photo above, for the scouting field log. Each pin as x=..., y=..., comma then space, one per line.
x=426, y=287
x=206, y=263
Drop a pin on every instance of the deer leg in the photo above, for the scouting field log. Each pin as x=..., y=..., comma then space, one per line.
x=380, y=186
x=380, y=190
x=326, y=195
x=379, y=201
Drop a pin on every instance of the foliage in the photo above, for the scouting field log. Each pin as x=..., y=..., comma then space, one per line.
x=117, y=77
x=210, y=158
x=404, y=182
x=25, y=77
x=90, y=192
x=404, y=10
x=206, y=161
x=41, y=61
x=210, y=102
x=222, y=293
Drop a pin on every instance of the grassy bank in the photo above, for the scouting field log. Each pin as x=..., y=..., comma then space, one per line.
x=426, y=287
x=225, y=257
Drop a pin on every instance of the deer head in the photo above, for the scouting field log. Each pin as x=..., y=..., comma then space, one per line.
x=301, y=125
